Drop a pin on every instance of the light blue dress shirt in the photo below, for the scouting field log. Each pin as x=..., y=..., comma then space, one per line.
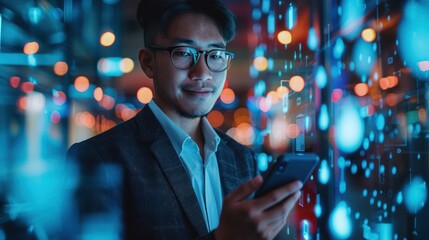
x=204, y=173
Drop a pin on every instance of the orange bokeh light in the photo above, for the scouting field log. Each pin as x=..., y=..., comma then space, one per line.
x=393, y=81
x=388, y=82
x=98, y=94
x=31, y=48
x=284, y=37
x=127, y=113
x=216, y=118
x=273, y=97
x=85, y=119
x=245, y=134
x=81, y=83
x=368, y=35
x=391, y=99
x=22, y=103
x=384, y=83
x=241, y=115
x=422, y=115
x=281, y=91
x=227, y=96
x=61, y=68
x=107, y=39
x=297, y=83
x=144, y=95
x=361, y=89
x=126, y=65
x=107, y=102
x=292, y=130
x=260, y=63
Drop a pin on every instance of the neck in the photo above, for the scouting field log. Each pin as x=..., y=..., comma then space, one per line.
x=193, y=127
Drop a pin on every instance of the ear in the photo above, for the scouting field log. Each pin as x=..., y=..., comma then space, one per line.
x=146, y=59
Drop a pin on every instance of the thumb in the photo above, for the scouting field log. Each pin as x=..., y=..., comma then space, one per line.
x=245, y=189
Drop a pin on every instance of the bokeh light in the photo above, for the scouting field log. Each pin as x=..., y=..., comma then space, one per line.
x=144, y=95
x=297, y=83
x=351, y=18
x=27, y=87
x=14, y=81
x=127, y=65
x=361, y=89
x=31, y=48
x=364, y=57
x=281, y=91
x=321, y=77
x=227, y=96
x=241, y=115
x=215, y=118
x=107, y=102
x=368, y=35
x=55, y=117
x=107, y=39
x=98, y=94
x=339, y=221
x=415, y=195
x=413, y=33
x=284, y=37
x=273, y=97
x=260, y=63
x=61, y=68
x=81, y=83
x=59, y=97
x=350, y=127
x=292, y=130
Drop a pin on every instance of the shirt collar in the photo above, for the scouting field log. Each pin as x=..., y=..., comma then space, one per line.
x=178, y=137
x=211, y=138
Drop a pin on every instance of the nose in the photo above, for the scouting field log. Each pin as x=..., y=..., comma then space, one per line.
x=200, y=71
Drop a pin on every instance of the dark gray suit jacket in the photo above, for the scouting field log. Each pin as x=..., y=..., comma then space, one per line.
x=134, y=168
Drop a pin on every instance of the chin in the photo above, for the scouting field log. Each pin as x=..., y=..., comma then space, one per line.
x=194, y=114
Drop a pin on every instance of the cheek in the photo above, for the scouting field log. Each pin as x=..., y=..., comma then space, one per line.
x=221, y=79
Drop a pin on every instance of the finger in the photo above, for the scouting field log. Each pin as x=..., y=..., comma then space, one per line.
x=277, y=195
x=245, y=189
x=279, y=214
x=277, y=228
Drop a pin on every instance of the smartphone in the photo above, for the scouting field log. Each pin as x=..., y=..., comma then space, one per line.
x=287, y=168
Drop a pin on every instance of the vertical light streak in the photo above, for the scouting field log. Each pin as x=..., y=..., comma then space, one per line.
x=0, y=31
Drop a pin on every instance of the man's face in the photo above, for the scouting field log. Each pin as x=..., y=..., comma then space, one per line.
x=187, y=93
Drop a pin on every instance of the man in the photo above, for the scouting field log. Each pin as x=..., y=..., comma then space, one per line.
x=179, y=178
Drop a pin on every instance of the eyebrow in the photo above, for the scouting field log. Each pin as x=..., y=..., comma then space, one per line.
x=192, y=42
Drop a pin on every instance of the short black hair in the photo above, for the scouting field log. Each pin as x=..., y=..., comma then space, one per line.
x=154, y=16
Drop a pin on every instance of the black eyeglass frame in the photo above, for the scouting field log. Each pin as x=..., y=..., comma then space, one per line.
x=196, y=56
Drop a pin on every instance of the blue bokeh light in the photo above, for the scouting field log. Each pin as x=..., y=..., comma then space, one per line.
x=350, y=128
x=339, y=221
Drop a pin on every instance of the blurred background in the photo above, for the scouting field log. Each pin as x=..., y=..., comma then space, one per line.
x=345, y=79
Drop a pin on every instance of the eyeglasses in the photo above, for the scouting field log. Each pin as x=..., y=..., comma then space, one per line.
x=183, y=57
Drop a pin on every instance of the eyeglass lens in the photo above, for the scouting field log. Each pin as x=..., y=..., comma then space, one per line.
x=186, y=57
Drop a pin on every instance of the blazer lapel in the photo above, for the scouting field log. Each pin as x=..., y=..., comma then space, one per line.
x=173, y=169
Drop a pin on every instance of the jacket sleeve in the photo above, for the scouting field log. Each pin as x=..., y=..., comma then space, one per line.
x=95, y=201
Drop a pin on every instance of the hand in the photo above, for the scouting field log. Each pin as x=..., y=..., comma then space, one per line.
x=260, y=218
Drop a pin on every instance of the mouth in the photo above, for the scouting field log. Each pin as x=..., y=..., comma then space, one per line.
x=198, y=91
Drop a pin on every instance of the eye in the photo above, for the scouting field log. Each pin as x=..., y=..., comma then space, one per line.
x=182, y=52
x=217, y=55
